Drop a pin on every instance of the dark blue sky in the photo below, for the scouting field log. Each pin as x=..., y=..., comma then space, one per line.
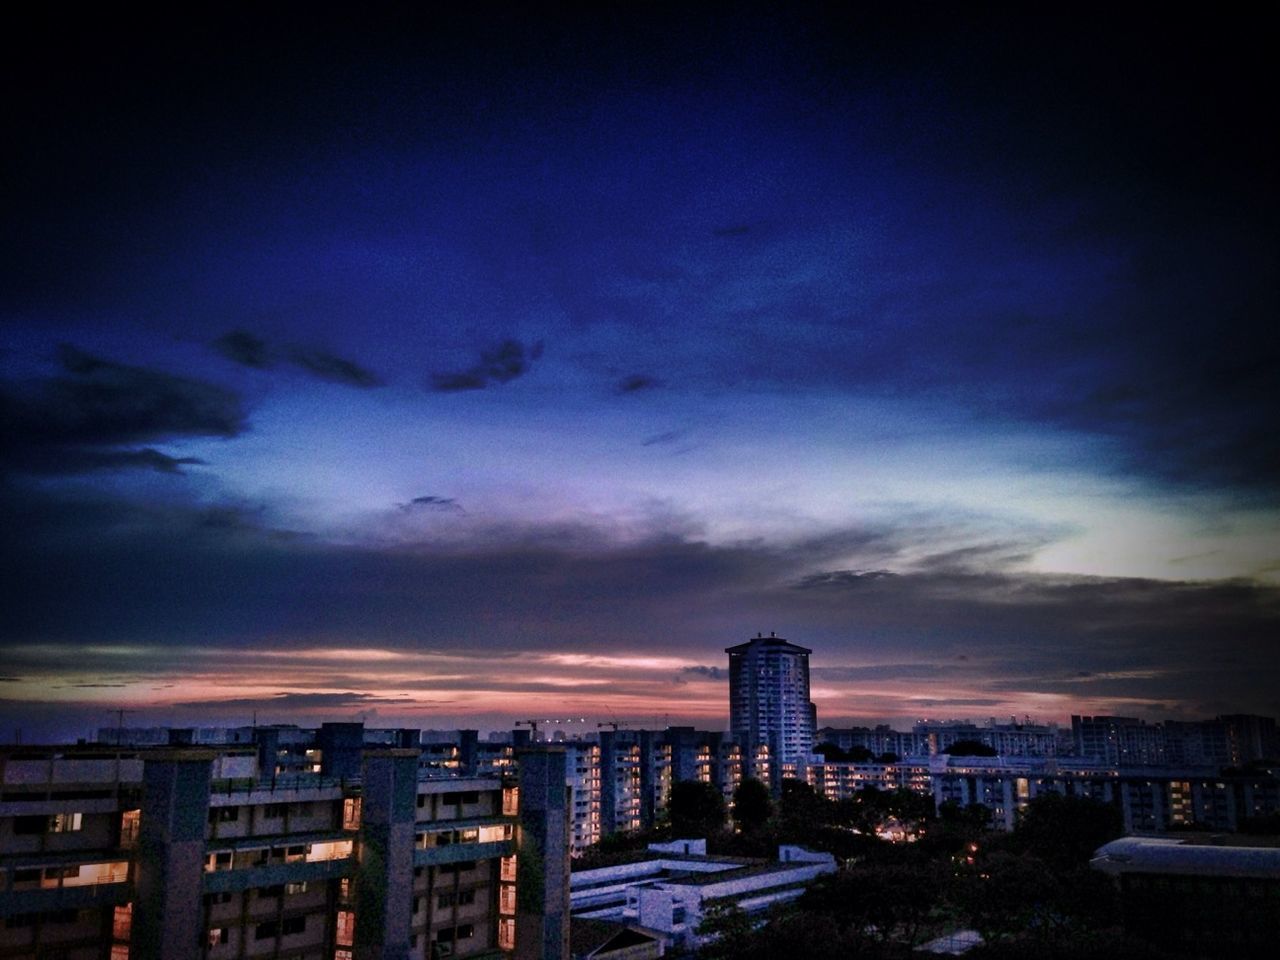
x=440, y=366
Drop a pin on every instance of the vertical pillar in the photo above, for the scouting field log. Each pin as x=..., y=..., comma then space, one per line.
x=542, y=877
x=340, y=745
x=608, y=782
x=384, y=866
x=168, y=923
x=648, y=776
x=467, y=742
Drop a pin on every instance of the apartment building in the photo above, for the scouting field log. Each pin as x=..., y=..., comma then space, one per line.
x=1149, y=800
x=188, y=852
x=769, y=698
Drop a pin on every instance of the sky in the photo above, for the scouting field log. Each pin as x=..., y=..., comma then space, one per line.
x=450, y=369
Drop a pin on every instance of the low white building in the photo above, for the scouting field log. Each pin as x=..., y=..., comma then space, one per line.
x=671, y=891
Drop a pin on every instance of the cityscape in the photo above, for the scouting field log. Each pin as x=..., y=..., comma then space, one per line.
x=724, y=482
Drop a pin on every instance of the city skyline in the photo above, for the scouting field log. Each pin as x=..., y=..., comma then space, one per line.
x=451, y=368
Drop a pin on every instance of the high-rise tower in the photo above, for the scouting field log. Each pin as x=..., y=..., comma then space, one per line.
x=769, y=698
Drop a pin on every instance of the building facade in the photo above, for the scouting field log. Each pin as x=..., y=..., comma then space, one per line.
x=189, y=854
x=769, y=701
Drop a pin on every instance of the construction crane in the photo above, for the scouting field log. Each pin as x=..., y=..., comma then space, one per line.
x=614, y=723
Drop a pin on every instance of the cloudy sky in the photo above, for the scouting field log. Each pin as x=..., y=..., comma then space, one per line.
x=453, y=370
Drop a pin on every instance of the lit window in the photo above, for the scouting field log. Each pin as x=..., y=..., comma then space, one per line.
x=351, y=813
x=346, y=928
x=122, y=922
x=65, y=822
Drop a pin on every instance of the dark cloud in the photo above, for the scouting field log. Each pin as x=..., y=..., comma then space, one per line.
x=326, y=366
x=711, y=673
x=302, y=701
x=100, y=574
x=249, y=350
x=433, y=503
x=637, y=383
x=885, y=671
x=499, y=364
x=86, y=420
x=841, y=579
x=244, y=348
x=73, y=460
x=671, y=436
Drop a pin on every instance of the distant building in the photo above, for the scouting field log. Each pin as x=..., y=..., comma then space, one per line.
x=769, y=701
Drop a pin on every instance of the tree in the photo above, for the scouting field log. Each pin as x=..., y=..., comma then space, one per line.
x=802, y=808
x=696, y=809
x=1065, y=831
x=831, y=753
x=752, y=805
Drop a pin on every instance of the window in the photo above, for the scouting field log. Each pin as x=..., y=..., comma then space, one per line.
x=30, y=824
x=351, y=813
x=295, y=886
x=345, y=928
x=122, y=922
x=217, y=935
x=265, y=931
x=273, y=891
x=65, y=822
x=293, y=925
x=471, y=796
x=119, y=952
x=506, y=934
x=224, y=814
x=130, y=823
x=273, y=811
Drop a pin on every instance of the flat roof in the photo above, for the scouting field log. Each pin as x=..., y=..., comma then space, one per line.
x=1193, y=857
x=768, y=642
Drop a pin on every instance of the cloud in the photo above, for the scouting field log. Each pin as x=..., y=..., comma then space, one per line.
x=638, y=382
x=93, y=575
x=244, y=348
x=842, y=579
x=711, y=673
x=433, y=503
x=250, y=350
x=326, y=366
x=499, y=364
x=73, y=460
x=86, y=420
x=303, y=701
x=671, y=436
